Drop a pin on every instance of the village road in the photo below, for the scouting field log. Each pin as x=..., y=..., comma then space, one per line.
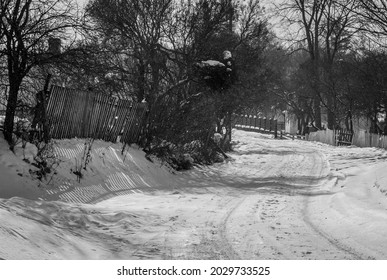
x=259, y=205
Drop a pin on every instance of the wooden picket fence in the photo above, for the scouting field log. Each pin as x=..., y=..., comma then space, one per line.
x=254, y=123
x=338, y=137
x=83, y=114
x=342, y=137
x=365, y=139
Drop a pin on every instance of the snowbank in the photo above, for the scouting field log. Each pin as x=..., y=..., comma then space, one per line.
x=109, y=173
x=356, y=212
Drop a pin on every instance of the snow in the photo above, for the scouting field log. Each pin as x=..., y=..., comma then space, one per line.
x=227, y=55
x=11, y=167
x=275, y=199
x=211, y=63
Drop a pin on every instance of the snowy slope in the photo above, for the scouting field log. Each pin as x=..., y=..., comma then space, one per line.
x=48, y=220
x=275, y=199
x=109, y=173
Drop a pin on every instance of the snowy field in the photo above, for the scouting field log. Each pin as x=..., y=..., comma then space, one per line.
x=275, y=199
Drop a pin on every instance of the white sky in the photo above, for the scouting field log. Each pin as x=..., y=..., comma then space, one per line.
x=82, y=2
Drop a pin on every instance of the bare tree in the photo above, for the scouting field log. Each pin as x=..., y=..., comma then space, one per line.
x=26, y=26
x=374, y=12
x=325, y=28
x=342, y=25
x=309, y=16
x=137, y=28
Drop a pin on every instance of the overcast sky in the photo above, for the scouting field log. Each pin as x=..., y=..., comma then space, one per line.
x=82, y=2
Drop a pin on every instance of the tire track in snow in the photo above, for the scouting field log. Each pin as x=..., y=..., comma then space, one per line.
x=260, y=211
x=303, y=174
x=223, y=240
x=334, y=242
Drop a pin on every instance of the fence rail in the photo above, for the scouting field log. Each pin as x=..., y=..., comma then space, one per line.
x=73, y=113
x=339, y=137
x=344, y=137
x=253, y=123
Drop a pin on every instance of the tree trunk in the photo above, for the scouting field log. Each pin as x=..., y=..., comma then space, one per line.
x=330, y=112
x=140, y=81
x=317, y=89
x=303, y=124
x=348, y=121
x=299, y=125
x=10, y=112
x=374, y=125
x=317, y=112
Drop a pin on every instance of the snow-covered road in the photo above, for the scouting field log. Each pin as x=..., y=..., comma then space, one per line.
x=275, y=199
